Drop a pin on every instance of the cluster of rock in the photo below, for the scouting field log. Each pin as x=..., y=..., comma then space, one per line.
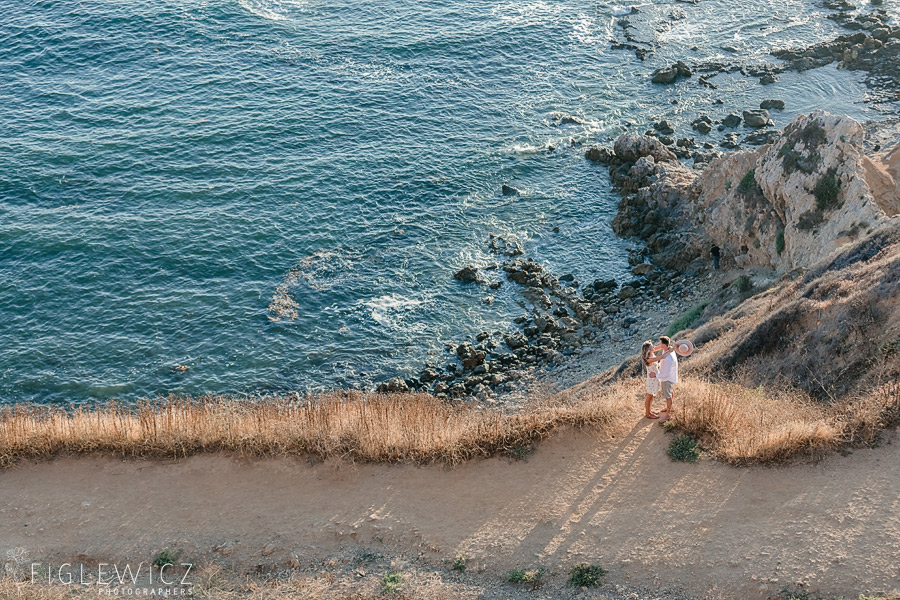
x=563, y=316
x=874, y=48
x=772, y=206
x=788, y=203
x=672, y=73
x=702, y=152
x=641, y=49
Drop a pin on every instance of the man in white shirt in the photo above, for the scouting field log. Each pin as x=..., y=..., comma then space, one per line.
x=668, y=374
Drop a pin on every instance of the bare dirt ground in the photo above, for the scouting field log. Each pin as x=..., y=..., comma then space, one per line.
x=830, y=529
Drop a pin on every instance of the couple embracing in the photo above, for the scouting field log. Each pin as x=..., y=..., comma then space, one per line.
x=661, y=365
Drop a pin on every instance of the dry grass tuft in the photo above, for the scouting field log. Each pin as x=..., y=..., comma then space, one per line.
x=742, y=425
x=349, y=425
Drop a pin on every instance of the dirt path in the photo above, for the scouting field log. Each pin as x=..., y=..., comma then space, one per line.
x=833, y=527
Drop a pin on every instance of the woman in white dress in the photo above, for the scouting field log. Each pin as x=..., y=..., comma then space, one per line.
x=651, y=370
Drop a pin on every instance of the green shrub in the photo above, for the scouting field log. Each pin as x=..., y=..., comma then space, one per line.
x=779, y=241
x=520, y=451
x=391, y=582
x=459, y=564
x=790, y=160
x=787, y=595
x=813, y=135
x=826, y=191
x=585, y=575
x=810, y=220
x=743, y=284
x=531, y=577
x=687, y=319
x=166, y=557
x=684, y=449
x=748, y=182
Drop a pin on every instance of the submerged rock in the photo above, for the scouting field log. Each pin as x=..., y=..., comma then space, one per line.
x=732, y=120
x=730, y=141
x=467, y=275
x=770, y=104
x=664, y=75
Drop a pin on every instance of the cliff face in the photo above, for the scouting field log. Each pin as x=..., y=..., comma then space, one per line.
x=788, y=204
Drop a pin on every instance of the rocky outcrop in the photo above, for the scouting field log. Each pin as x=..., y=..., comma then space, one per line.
x=790, y=203
x=631, y=148
x=672, y=73
x=467, y=275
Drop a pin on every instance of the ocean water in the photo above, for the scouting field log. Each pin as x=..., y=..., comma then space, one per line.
x=255, y=196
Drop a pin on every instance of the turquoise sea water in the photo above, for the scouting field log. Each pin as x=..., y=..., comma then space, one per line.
x=173, y=170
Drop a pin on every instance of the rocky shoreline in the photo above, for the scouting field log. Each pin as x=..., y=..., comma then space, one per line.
x=873, y=47
x=566, y=320
x=768, y=207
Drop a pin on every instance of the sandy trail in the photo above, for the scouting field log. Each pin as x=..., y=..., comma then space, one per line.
x=832, y=527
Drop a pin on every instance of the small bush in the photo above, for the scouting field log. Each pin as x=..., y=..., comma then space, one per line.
x=789, y=161
x=585, y=575
x=166, y=557
x=748, y=182
x=391, y=582
x=531, y=577
x=743, y=284
x=787, y=595
x=813, y=135
x=826, y=191
x=687, y=319
x=459, y=564
x=779, y=241
x=365, y=557
x=520, y=452
x=684, y=449
x=810, y=220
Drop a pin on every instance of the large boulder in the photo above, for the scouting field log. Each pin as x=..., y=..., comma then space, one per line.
x=393, y=386
x=787, y=204
x=670, y=74
x=758, y=117
x=732, y=120
x=630, y=148
x=770, y=104
x=467, y=275
x=600, y=155
x=664, y=75
x=812, y=189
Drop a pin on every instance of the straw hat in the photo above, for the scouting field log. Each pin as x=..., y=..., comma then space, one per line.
x=684, y=347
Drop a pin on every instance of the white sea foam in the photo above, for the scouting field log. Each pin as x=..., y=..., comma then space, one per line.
x=528, y=149
x=273, y=10
x=526, y=13
x=388, y=310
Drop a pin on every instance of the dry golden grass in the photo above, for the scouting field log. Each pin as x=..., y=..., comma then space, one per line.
x=352, y=425
x=742, y=425
x=735, y=423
